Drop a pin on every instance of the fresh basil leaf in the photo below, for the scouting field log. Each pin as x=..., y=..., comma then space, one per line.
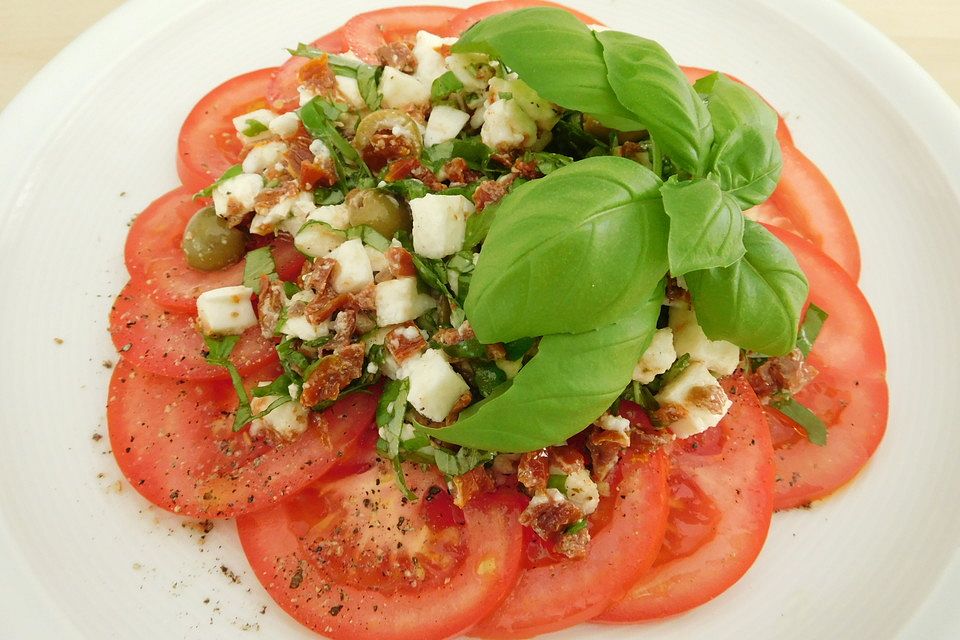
x=518, y=348
x=341, y=66
x=368, y=83
x=254, y=127
x=408, y=188
x=233, y=171
x=369, y=236
x=706, y=226
x=571, y=381
x=746, y=158
x=576, y=527
x=459, y=463
x=433, y=273
x=679, y=366
x=478, y=226
x=318, y=122
x=651, y=85
x=570, y=252
x=808, y=420
x=810, y=329
x=570, y=138
x=557, y=481
x=390, y=412
x=259, y=263
x=547, y=163
x=754, y=303
x=293, y=362
x=487, y=377
x=445, y=85
x=218, y=354
x=279, y=387
x=468, y=349
x=327, y=196
x=402, y=480
x=556, y=55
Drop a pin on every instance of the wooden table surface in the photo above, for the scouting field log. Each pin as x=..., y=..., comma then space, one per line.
x=33, y=31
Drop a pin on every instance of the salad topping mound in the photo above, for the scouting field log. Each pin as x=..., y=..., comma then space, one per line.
x=530, y=318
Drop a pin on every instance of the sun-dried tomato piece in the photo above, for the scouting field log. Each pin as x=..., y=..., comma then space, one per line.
x=400, y=262
x=317, y=174
x=332, y=375
x=317, y=76
x=549, y=517
x=472, y=483
x=270, y=305
x=398, y=55
x=458, y=172
x=491, y=192
x=533, y=470
x=413, y=168
x=404, y=343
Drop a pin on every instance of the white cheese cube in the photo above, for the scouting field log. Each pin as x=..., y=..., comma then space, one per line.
x=288, y=421
x=349, y=90
x=472, y=69
x=226, y=311
x=699, y=398
x=399, y=301
x=401, y=90
x=266, y=222
x=507, y=127
x=354, y=270
x=444, y=124
x=439, y=224
x=582, y=491
x=720, y=357
x=430, y=63
x=434, y=386
x=261, y=117
x=335, y=215
x=618, y=424
x=320, y=151
x=236, y=195
x=263, y=156
x=300, y=327
x=657, y=358
x=540, y=110
x=302, y=207
x=285, y=125
x=377, y=260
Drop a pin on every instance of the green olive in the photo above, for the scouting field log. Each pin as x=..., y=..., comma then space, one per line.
x=388, y=121
x=209, y=244
x=378, y=210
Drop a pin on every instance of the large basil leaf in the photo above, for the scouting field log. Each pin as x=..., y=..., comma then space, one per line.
x=756, y=302
x=571, y=381
x=573, y=251
x=706, y=226
x=554, y=53
x=746, y=157
x=650, y=84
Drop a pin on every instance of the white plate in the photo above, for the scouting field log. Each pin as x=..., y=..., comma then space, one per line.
x=92, y=140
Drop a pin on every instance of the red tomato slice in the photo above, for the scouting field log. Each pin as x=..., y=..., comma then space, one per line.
x=157, y=264
x=169, y=344
x=208, y=143
x=282, y=92
x=367, y=32
x=174, y=442
x=721, y=485
x=560, y=595
x=472, y=15
x=351, y=558
x=783, y=131
x=849, y=394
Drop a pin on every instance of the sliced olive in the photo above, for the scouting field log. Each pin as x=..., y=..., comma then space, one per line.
x=209, y=244
x=378, y=210
x=387, y=135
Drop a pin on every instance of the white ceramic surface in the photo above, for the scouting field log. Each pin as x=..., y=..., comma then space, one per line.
x=91, y=141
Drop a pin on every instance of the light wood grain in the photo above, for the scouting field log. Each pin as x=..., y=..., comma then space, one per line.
x=33, y=31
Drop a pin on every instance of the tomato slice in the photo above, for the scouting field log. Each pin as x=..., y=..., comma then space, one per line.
x=174, y=442
x=849, y=393
x=367, y=32
x=721, y=485
x=282, y=92
x=157, y=264
x=472, y=15
x=563, y=594
x=169, y=344
x=351, y=558
x=208, y=143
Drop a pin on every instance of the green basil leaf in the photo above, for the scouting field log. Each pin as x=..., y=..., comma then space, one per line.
x=235, y=170
x=369, y=236
x=319, y=123
x=651, y=85
x=808, y=420
x=570, y=138
x=368, y=83
x=478, y=226
x=469, y=349
x=754, y=303
x=746, y=158
x=219, y=349
x=547, y=163
x=570, y=252
x=293, y=362
x=706, y=226
x=279, y=387
x=488, y=377
x=390, y=411
x=571, y=381
x=408, y=188
x=259, y=263
x=810, y=329
x=459, y=463
x=556, y=55
x=445, y=85
x=518, y=348
x=254, y=127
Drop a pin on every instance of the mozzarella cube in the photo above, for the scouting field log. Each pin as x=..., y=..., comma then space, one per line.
x=335, y=215
x=434, y=386
x=263, y=156
x=236, y=195
x=657, y=358
x=439, y=224
x=300, y=327
x=285, y=125
x=267, y=221
x=226, y=311
x=349, y=90
x=302, y=207
x=582, y=491
x=444, y=124
x=617, y=424
x=399, y=301
x=698, y=398
x=506, y=126
x=472, y=69
x=288, y=421
x=719, y=356
x=540, y=110
x=261, y=117
x=320, y=151
x=430, y=63
x=354, y=270
x=377, y=260
x=401, y=90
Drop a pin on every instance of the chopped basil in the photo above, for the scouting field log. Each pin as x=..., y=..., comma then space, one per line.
x=478, y=226
x=810, y=329
x=254, y=127
x=576, y=527
x=813, y=425
x=327, y=196
x=488, y=377
x=368, y=83
x=218, y=355
x=547, y=163
x=642, y=396
x=671, y=374
x=318, y=117
x=279, y=387
x=557, y=481
x=468, y=349
x=233, y=171
x=464, y=460
x=518, y=348
x=445, y=85
x=390, y=412
x=369, y=236
x=293, y=362
x=259, y=263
